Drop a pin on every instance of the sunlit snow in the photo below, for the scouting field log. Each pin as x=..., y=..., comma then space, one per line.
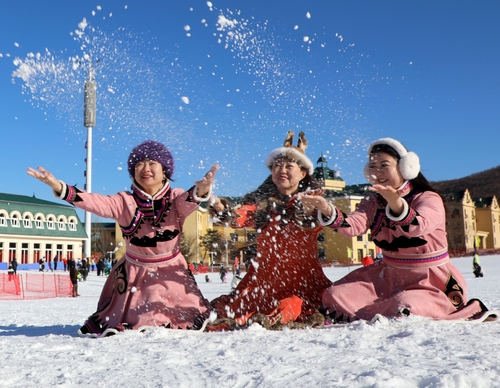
x=39, y=338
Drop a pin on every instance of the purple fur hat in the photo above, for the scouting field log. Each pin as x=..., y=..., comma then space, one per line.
x=152, y=150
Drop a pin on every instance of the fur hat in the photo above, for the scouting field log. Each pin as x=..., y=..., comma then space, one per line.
x=151, y=150
x=297, y=154
x=408, y=164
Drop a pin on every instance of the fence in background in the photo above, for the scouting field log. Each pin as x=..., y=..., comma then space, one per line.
x=34, y=286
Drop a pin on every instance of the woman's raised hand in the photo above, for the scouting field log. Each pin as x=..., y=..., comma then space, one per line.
x=46, y=177
x=205, y=183
x=314, y=199
x=392, y=196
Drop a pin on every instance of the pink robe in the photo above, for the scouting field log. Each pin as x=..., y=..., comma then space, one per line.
x=150, y=285
x=415, y=275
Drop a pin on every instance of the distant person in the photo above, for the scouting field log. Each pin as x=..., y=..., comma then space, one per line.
x=56, y=260
x=407, y=220
x=100, y=267
x=107, y=267
x=14, y=265
x=207, y=279
x=73, y=276
x=10, y=271
x=150, y=285
x=236, y=280
x=41, y=263
x=84, y=270
x=476, y=266
x=223, y=274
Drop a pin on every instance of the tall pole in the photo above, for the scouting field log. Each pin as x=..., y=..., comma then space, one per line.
x=226, y=243
x=89, y=118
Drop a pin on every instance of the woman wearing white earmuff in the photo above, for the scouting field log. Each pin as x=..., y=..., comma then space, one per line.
x=407, y=222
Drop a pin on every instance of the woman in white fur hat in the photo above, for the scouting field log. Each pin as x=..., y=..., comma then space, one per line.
x=284, y=283
x=407, y=221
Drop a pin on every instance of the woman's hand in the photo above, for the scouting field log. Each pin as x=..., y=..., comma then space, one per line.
x=217, y=204
x=46, y=177
x=205, y=183
x=314, y=199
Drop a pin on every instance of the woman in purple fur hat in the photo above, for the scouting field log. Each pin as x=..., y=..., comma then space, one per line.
x=150, y=285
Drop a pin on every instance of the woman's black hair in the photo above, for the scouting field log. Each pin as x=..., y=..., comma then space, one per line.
x=420, y=182
x=386, y=149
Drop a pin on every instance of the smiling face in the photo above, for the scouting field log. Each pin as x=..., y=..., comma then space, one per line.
x=383, y=169
x=149, y=175
x=286, y=175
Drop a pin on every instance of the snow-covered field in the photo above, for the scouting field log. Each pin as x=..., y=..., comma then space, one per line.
x=39, y=347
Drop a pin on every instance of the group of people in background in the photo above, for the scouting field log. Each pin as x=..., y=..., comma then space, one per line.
x=101, y=266
x=52, y=265
x=78, y=269
x=285, y=285
x=223, y=275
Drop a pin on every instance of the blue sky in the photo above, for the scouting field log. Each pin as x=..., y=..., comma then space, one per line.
x=224, y=83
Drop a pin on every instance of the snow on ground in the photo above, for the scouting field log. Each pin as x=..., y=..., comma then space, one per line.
x=40, y=348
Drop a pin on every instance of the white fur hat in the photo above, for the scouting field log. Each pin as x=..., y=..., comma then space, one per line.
x=298, y=154
x=409, y=163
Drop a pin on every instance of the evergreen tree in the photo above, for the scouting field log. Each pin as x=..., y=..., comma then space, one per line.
x=213, y=242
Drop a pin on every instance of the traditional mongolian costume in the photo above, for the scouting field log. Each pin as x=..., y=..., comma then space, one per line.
x=284, y=283
x=151, y=284
x=415, y=275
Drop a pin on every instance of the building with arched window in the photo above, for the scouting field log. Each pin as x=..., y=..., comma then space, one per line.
x=32, y=228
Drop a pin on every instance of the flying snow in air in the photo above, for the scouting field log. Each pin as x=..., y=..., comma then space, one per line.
x=224, y=22
x=185, y=100
x=308, y=15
